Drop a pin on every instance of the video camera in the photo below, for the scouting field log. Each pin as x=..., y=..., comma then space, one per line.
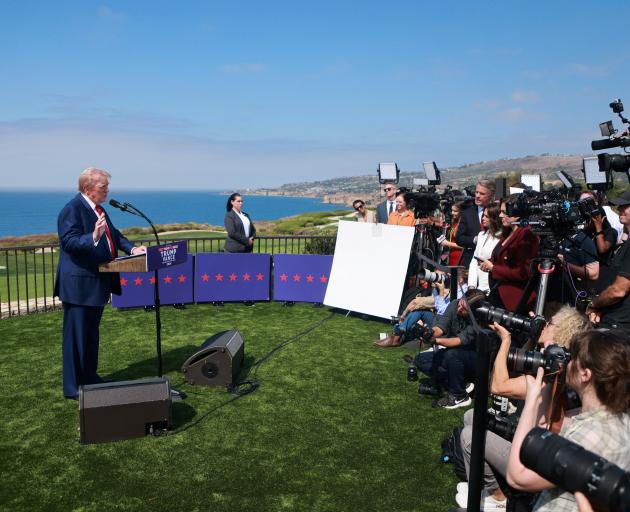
x=572, y=468
x=532, y=326
x=547, y=212
x=606, y=163
x=553, y=360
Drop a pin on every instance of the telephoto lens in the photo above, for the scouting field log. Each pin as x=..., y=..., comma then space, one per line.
x=553, y=360
x=572, y=468
x=503, y=427
x=525, y=361
x=487, y=314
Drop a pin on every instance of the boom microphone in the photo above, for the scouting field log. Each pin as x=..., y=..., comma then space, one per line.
x=118, y=205
x=616, y=142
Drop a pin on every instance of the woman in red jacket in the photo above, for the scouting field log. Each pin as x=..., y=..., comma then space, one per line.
x=509, y=265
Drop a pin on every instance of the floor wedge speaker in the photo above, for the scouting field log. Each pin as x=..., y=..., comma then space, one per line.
x=112, y=411
x=217, y=362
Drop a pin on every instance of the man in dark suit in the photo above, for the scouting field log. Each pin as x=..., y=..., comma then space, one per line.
x=470, y=222
x=389, y=205
x=86, y=238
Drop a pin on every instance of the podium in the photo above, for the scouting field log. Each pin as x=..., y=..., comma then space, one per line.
x=157, y=257
x=136, y=263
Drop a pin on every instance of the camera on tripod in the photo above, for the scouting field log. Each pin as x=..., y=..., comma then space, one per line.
x=598, y=170
x=572, y=468
x=553, y=360
x=532, y=326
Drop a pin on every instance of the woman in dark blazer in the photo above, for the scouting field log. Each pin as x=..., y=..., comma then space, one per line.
x=509, y=265
x=240, y=229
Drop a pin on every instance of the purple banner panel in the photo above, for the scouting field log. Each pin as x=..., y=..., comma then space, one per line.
x=176, y=286
x=167, y=255
x=231, y=277
x=300, y=278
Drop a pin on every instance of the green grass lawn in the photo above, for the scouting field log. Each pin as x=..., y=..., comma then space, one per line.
x=334, y=426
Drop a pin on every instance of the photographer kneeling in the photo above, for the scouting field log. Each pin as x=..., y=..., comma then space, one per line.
x=562, y=326
x=452, y=361
x=599, y=371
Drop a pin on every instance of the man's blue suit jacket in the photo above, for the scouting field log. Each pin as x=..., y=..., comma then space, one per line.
x=78, y=280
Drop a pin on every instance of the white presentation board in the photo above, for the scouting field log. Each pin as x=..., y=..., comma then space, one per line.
x=369, y=268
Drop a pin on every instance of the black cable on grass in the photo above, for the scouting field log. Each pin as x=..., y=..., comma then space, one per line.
x=247, y=386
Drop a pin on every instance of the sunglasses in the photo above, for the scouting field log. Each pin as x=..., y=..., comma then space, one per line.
x=387, y=189
x=358, y=207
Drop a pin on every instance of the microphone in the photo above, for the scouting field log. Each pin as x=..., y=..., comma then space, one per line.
x=118, y=205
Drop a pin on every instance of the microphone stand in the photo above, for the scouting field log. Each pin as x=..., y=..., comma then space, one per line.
x=128, y=207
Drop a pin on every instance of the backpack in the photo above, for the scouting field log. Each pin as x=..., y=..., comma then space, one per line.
x=452, y=453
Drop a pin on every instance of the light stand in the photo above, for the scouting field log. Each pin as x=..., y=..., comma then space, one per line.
x=388, y=173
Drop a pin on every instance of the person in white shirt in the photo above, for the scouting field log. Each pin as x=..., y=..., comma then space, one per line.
x=486, y=242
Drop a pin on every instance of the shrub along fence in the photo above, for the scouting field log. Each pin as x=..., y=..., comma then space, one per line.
x=27, y=273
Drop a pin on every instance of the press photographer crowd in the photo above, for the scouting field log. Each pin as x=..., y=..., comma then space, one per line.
x=523, y=293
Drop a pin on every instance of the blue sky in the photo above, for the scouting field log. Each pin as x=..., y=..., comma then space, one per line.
x=235, y=94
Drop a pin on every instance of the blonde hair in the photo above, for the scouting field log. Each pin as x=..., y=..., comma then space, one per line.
x=88, y=177
x=569, y=321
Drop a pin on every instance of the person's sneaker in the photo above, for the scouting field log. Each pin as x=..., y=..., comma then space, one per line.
x=462, y=487
x=470, y=387
x=487, y=501
x=451, y=402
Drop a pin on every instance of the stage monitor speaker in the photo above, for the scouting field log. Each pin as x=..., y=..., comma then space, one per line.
x=113, y=411
x=501, y=189
x=217, y=362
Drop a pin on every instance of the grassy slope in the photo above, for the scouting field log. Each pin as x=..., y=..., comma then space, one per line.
x=334, y=425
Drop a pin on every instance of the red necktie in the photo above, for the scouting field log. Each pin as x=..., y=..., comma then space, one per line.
x=110, y=240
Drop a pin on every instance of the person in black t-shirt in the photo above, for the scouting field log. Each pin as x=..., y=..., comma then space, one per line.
x=611, y=308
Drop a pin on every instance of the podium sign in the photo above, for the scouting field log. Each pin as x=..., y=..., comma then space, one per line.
x=166, y=255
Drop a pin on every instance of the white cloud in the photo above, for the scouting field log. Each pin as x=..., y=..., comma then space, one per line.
x=525, y=96
x=488, y=104
x=519, y=114
x=108, y=13
x=588, y=70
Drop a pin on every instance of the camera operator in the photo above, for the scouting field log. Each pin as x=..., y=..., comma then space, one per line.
x=599, y=371
x=470, y=223
x=420, y=308
x=611, y=308
x=578, y=254
x=561, y=327
x=509, y=266
x=452, y=362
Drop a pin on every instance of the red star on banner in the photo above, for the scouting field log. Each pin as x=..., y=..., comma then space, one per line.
x=181, y=278
x=205, y=278
x=297, y=277
x=219, y=277
x=246, y=277
x=152, y=280
x=137, y=281
x=168, y=279
x=123, y=281
x=259, y=277
x=323, y=279
x=233, y=276
x=283, y=277
x=309, y=278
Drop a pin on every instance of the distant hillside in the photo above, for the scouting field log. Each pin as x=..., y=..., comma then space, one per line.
x=344, y=190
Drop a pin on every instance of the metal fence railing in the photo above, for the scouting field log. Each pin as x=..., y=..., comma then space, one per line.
x=27, y=273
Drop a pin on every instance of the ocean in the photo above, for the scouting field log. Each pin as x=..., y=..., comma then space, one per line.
x=34, y=212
